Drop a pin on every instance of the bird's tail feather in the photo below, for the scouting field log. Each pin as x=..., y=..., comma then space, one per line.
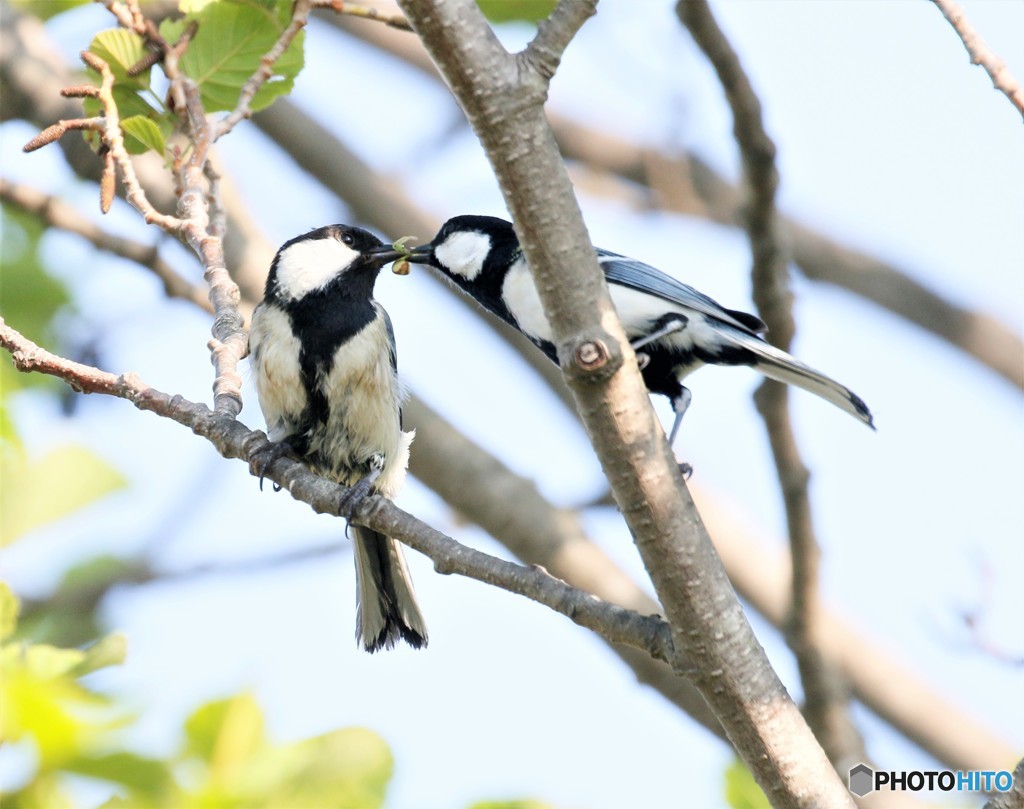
x=386, y=608
x=778, y=365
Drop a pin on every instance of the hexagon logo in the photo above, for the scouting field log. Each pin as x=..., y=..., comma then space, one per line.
x=862, y=780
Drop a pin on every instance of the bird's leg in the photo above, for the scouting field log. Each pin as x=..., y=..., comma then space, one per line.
x=361, y=488
x=680, y=404
x=670, y=327
x=260, y=461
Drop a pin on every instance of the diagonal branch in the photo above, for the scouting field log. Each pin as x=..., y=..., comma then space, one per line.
x=1002, y=79
x=233, y=439
x=505, y=109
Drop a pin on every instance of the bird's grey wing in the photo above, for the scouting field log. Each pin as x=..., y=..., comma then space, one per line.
x=644, y=278
x=392, y=350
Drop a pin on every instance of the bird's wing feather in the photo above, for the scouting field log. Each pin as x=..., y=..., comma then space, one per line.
x=644, y=278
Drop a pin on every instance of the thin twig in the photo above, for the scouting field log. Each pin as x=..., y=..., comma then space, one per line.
x=233, y=439
x=127, y=15
x=113, y=140
x=365, y=12
x=1002, y=79
x=56, y=213
x=197, y=198
x=242, y=110
x=826, y=695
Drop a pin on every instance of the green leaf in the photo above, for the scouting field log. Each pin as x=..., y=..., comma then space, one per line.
x=232, y=39
x=9, y=439
x=37, y=492
x=741, y=790
x=145, y=775
x=9, y=607
x=521, y=803
x=142, y=135
x=225, y=733
x=121, y=49
x=347, y=769
x=517, y=10
x=42, y=661
x=109, y=650
x=68, y=616
x=31, y=296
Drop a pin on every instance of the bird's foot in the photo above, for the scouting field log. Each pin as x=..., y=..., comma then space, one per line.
x=260, y=461
x=350, y=499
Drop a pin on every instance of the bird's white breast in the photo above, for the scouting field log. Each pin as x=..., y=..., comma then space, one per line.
x=523, y=301
x=274, y=351
x=364, y=398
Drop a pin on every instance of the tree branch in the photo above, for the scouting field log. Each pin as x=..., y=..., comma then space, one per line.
x=826, y=699
x=505, y=107
x=232, y=439
x=1013, y=799
x=996, y=68
x=365, y=12
x=555, y=33
x=483, y=490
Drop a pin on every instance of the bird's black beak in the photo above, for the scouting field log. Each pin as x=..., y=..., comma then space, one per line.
x=384, y=254
x=423, y=254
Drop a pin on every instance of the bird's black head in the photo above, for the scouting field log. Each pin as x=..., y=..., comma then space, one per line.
x=325, y=258
x=467, y=246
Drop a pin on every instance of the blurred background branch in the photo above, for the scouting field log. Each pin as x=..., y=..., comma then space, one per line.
x=826, y=696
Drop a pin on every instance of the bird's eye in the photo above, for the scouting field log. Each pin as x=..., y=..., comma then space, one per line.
x=347, y=238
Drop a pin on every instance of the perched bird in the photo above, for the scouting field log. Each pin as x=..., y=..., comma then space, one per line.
x=674, y=328
x=323, y=354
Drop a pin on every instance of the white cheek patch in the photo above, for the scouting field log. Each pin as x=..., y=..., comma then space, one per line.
x=464, y=253
x=307, y=266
